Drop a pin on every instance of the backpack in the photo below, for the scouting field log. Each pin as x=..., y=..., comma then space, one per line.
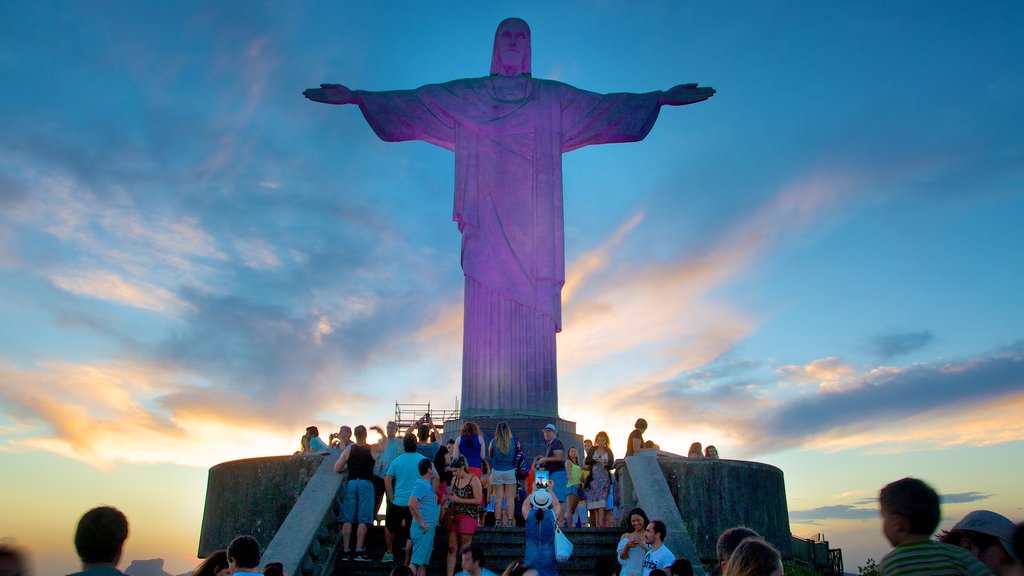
x=519, y=461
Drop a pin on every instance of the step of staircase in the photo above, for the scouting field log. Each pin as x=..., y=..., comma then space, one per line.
x=502, y=545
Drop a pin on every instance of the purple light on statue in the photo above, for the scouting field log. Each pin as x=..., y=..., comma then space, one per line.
x=508, y=132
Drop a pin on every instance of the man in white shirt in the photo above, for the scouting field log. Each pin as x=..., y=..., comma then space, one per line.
x=659, y=556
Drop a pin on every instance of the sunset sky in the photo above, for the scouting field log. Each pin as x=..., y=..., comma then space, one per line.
x=821, y=268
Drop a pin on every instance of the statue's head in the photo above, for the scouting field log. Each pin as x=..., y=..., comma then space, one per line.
x=511, y=55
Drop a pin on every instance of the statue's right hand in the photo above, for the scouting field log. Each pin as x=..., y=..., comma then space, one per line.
x=332, y=94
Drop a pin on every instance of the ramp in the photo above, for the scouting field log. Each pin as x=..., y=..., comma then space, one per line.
x=654, y=496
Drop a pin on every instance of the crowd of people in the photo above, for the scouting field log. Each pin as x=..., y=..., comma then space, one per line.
x=429, y=486
x=466, y=483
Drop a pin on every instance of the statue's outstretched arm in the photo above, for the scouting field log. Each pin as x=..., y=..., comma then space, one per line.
x=685, y=94
x=333, y=94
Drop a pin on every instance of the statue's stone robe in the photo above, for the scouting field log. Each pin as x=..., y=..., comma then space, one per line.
x=508, y=205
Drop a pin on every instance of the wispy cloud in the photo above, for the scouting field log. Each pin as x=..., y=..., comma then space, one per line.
x=975, y=401
x=867, y=508
x=894, y=344
x=666, y=317
x=142, y=413
x=840, y=511
x=965, y=497
x=109, y=286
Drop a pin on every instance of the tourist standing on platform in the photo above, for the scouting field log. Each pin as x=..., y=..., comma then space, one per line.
x=471, y=445
x=442, y=460
x=391, y=448
x=428, y=437
x=357, y=506
x=658, y=555
x=313, y=443
x=635, y=443
x=711, y=453
x=573, y=485
x=342, y=438
x=99, y=541
x=696, y=451
x=540, y=512
x=755, y=557
x=633, y=545
x=598, y=463
x=424, y=510
x=553, y=461
x=502, y=454
x=401, y=476
x=464, y=499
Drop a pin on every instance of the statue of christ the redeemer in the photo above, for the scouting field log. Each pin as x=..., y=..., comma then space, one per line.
x=509, y=131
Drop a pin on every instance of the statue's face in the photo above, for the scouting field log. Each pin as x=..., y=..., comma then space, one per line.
x=512, y=44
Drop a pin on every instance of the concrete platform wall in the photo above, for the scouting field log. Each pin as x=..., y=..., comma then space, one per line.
x=252, y=496
x=713, y=495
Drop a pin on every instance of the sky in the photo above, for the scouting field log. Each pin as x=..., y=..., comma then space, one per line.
x=820, y=268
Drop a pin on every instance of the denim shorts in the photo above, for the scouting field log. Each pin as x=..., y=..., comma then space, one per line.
x=357, y=507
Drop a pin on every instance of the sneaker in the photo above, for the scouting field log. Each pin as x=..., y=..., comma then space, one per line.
x=387, y=557
x=361, y=557
x=347, y=555
x=510, y=523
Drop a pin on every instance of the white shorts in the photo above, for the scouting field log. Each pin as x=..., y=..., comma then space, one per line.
x=503, y=477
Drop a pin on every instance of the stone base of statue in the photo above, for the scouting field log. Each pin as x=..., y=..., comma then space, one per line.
x=524, y=427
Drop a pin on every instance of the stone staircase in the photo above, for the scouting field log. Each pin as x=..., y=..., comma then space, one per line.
x=502, y=545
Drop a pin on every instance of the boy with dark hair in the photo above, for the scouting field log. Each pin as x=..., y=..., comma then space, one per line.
x=681, y=567
x=473, y=559
x=244, y=555
x=99, y=540
x=910, y=513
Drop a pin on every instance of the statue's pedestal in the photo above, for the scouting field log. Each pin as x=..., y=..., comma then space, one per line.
x=526, y=428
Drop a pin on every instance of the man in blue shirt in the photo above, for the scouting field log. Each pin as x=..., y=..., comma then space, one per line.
x=424, y=510
x=398, y=481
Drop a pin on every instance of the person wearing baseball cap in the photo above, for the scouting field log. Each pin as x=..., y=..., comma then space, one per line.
x=553, y=461
x=989, y=537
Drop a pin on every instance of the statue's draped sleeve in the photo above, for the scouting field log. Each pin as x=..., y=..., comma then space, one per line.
x=400, y=115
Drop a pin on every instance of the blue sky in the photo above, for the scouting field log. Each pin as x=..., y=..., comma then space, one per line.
x=820, y=268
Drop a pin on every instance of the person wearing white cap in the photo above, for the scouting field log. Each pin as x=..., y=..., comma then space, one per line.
x=539, y=512
x=989, y=537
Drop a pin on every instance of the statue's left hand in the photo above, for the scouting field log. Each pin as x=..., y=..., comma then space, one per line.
x=686, y=94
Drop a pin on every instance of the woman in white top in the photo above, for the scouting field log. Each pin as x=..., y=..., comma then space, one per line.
x=633, y=545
